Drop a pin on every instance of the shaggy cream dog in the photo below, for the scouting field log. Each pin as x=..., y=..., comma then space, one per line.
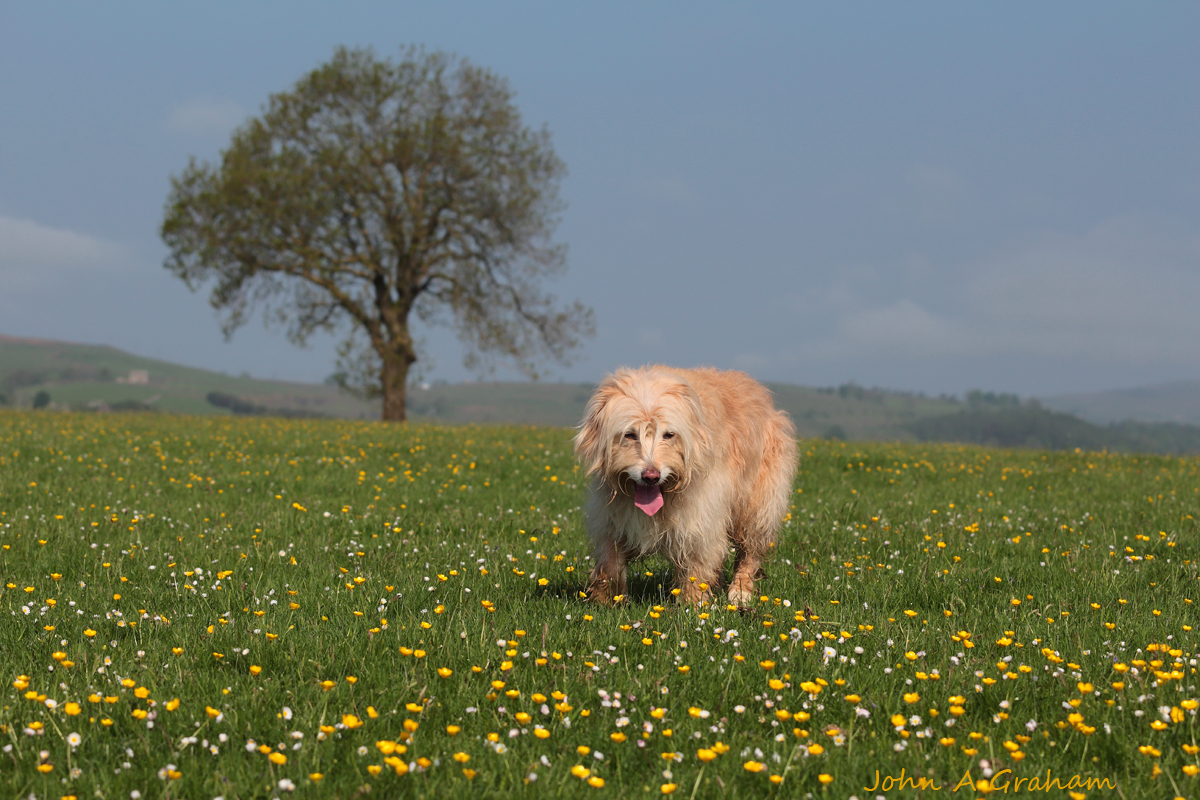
x=686, y=463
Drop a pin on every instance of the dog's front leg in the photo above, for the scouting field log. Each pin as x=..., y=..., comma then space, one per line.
x=608, y=575
x=697, y=579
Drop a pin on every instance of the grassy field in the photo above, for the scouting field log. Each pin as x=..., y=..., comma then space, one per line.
x=238, y=608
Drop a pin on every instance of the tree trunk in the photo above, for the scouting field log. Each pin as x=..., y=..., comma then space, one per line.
x=394, y=377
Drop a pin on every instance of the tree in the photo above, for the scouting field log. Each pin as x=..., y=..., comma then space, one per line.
x=41, y=399
x=374, y=190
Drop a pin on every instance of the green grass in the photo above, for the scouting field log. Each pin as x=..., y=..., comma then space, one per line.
x=162, y=534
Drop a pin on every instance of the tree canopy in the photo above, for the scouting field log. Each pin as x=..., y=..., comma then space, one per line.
x=373, y=190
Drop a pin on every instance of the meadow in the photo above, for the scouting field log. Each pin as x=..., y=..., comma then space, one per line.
x=247, y=608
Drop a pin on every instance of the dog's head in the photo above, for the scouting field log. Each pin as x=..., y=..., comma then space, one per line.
x=643, y=433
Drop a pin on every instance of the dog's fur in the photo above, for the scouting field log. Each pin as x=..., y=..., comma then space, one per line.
x=725, y=461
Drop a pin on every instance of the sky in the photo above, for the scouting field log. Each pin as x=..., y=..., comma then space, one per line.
x=928, y=197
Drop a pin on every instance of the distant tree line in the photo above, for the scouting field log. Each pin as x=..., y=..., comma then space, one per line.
x=245, y=408
x=21, y=378
x=1012, y=424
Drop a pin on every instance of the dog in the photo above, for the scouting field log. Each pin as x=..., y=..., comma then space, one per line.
x=686, y=463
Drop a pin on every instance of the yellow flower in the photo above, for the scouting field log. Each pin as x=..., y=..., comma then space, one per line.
x=617, y=737
x=172, y=705
x=767, y=664
x=351, y=721
x=705, y=755
x=470, y=773
x=255, y=669
x=754, y=766
x=912, y=697
x=541, y=733
x=278, y=759
x=580, y=771
x=595, y=782
x=72, y=709
x=452, y=729
x=374, y=769
x=445, y=672
x=315, y=777
x=825, y=778
x=461, y=757
x=668, y=788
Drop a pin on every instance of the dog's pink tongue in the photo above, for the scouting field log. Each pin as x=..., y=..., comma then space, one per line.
x=648, y=499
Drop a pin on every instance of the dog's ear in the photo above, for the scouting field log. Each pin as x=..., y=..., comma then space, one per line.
x=591, y=443
x=697, y=444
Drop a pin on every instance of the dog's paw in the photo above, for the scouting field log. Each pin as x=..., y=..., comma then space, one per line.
x=740, y=596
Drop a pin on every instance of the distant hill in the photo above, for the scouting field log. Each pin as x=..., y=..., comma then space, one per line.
x=85, y=376
x=1032, y=426
x=845, y=412
x=80, y=376
x=1169, y=402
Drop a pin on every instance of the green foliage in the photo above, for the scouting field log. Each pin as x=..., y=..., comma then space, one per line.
x=235, y=404
x=981, y=399
x=19, y=378
x=373, y=190
x=238, y=406
x=238, y=564
x=41, y=399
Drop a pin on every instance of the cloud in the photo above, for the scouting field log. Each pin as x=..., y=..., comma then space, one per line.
x=30, y=252
x=203, y=116
x=1120, y=295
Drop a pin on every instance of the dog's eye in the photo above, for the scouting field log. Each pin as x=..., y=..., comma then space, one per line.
x=631, y=436
x=668, y=435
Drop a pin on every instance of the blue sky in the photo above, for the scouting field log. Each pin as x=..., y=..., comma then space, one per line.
x=922, y=196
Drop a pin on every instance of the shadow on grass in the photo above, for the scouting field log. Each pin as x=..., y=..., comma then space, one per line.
x=648, y=583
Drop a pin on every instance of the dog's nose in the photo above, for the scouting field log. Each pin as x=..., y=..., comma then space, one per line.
x=651, y=475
